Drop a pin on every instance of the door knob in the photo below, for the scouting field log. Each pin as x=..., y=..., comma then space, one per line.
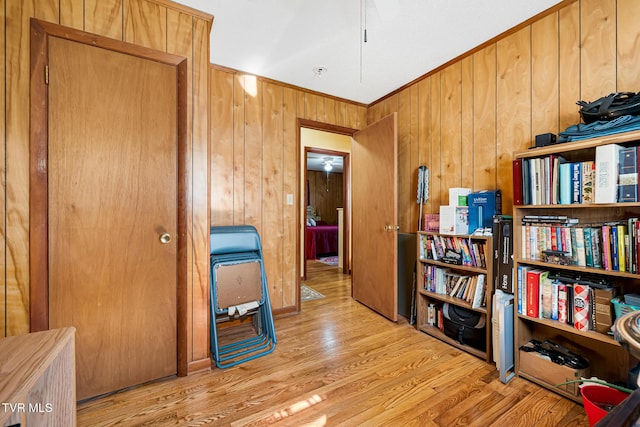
x=165, y=238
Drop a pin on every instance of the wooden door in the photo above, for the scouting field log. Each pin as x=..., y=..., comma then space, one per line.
x=374, y=171
x=113, y=213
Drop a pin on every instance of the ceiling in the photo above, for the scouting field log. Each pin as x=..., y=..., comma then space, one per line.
x=285, y=40
x=317, y=161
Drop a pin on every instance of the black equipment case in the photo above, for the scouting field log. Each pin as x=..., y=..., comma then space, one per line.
x=465, y=326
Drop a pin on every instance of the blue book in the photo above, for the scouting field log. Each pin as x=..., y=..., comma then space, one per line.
x=576, y=182
x=565, y=183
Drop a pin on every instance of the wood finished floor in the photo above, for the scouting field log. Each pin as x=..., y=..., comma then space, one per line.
x=339, y=364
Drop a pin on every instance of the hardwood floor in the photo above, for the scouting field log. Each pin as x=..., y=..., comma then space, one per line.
x=337, y=363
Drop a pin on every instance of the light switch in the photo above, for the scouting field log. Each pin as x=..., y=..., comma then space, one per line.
x=289, y=199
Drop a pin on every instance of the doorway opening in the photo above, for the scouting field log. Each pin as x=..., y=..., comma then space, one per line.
x=324, y=195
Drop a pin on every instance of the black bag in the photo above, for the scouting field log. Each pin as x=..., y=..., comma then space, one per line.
x=465, y=326
x=610, y=107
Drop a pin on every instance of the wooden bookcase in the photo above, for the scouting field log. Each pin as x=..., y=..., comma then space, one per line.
x=425, y=297
x=607, y=359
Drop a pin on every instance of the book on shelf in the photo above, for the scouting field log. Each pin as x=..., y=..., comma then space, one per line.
x=534, y=278
x=562, y=303
x=587, y=175
x=628, y=175
x=565, y=184
x=576, y=182
x=581, y=256
x=606, y=173
x=517, y=181
x=546, y=292
x=478, y=298
x=581, y=307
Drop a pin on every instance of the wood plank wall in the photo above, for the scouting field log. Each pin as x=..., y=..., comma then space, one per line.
x=159, y=24
x=480, y=109
x=325, y=196
x=254, y=158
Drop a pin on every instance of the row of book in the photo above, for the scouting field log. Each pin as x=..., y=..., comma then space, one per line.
x=585, y=306
x=611, y=178
x=435, y=316
x=435, y=247
x=467, y=287
x=612, y=246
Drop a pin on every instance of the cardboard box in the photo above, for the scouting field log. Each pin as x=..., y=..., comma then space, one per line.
x=604, y=308
x=483, y=205
x=458, y=196
x=502, y=253
x=536, y=366
x=454, y=219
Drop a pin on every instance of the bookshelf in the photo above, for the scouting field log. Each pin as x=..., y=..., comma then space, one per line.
x=477, y=260
x=541, y=222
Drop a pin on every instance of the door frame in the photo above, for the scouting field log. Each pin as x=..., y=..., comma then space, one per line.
x=324, y=127
x=346, y=189
x=38, y=192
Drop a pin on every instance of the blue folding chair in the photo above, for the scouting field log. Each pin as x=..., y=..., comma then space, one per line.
x=238, y=291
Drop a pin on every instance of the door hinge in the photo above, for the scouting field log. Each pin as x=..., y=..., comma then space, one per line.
x=46, y=74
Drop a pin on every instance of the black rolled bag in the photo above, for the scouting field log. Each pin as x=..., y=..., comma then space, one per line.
x=465, y=326
x=610, y=107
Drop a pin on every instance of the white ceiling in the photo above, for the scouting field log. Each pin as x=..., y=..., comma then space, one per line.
x=317, y=161
x=285, y=39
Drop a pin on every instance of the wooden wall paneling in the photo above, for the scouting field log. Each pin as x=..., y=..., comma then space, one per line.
x=569, y=65
x=375, y=112
x=104, y=17
x=331, y=111
x=628, y=37
x=300, y=103
x=341, y=113
x=451, y=120
x=145, y=24
x=290, y=185
x=406, y=197
x=72, y=13
x=598, y=41
x=272, y=197
x=221, y=147
x=253, y=157
x=199, y=273
x=413, y=154
x=362, y=117
x=16, y=176
x=3, y=174
x=436, y=188
x=484, y=118
x=239, y=169
x=424, y=137
x=544, y=76
x=391, y=105
x=466, y=125
x=354, y=117
x=321, y=112
x=310, y=106
x=513, y=105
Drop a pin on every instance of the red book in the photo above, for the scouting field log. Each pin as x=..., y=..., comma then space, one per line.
x=554, y=239
x=606, y=247
x=517, y=182
x=533, y=292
